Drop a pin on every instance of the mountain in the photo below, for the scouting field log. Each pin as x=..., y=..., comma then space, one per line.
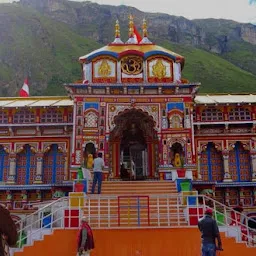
x=45, y=38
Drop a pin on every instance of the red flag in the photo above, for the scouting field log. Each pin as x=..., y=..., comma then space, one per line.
x=137, y=35
x=24, y=91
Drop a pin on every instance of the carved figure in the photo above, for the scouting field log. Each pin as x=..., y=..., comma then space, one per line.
x=159, y=69
x=177, y=160
x=90, y=161
x=104, y=69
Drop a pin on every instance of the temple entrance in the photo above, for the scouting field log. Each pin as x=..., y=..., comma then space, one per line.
x=133, y=142
x=88, y=155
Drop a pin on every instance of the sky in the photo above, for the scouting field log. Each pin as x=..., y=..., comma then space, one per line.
x=238, y=10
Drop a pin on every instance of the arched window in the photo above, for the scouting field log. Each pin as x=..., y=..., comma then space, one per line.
x=239, y=163
x=3, y=117
x=175, y=122
x=24, y=116
x=91, y=119
x=53, y=166
x=239, y=113
x=4, y=164
x=52, y=116
x=211, y=114
x=26, y=166
x=211, y=164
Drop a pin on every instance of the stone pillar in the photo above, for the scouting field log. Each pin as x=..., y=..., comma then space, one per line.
x=227, y=176
x=39, y=168
x=253, y=162
x=199, y=176
x=12, y=171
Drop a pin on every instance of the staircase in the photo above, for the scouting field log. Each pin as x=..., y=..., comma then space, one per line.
x=133, y=242
x=135, y=203
x=137, y=188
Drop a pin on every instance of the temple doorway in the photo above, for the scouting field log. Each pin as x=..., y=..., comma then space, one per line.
x=88, y=155
x=134, y=145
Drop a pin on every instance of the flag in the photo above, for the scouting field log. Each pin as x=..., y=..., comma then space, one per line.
x=24, y=91
x=137, y=35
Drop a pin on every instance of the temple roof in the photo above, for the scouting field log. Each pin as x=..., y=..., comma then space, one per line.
x=53, y=101
x=225, y=98
x=35, y=102
x=144, y=50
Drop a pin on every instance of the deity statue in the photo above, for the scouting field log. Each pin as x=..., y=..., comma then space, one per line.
x=89, y=163
x=104, y=69
x=177, y=160
x=159, y=69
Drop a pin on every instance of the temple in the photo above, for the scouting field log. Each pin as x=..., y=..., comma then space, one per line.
x=133, y=105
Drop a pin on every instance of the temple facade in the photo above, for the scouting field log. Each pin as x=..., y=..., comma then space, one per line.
x=133, y=105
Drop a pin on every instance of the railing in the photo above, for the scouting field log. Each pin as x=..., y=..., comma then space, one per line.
x=224, y=217
x=139, y=211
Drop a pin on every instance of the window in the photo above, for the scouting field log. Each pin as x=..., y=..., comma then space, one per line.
x=26, y=166
x=24, y=116
x=53, y=166
x=175, y=122
x=212, y=114
x=52, y=116
x=4, y=164
x=239, y=113
x=91, y=120
x=70, y=117
x=3, y=117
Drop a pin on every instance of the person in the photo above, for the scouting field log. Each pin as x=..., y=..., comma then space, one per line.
x=8, y=232
x=85, y=241
x=98, y=165
x=209, y=232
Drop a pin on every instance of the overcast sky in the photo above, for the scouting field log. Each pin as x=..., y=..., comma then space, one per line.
x=239, y=10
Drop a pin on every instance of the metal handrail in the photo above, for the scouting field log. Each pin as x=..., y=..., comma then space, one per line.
x=165, y=211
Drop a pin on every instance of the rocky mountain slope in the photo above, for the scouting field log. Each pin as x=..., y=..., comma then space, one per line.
x=45, y=38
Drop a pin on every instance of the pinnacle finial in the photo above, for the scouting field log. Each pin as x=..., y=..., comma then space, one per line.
x=117, y=34
x=145, y=28
x=117, y=29
x=131, y=26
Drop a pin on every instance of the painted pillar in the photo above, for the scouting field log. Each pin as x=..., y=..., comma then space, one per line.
x=39, y=169
x=66, y=172
x=227, y=176
x=199, y=176
x=12, y=171
x=253, y=165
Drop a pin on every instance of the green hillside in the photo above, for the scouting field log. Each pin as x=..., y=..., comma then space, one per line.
x=216, y=74
x=48, y=51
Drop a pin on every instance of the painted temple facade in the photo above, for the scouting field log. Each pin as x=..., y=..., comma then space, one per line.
x=133, y=105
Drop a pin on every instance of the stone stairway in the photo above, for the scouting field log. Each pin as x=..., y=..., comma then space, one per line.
x=135, y=203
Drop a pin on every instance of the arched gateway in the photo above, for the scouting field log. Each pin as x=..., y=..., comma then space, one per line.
x=133, y=144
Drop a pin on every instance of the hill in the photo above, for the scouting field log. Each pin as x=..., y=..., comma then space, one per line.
x=34, y=45
x=45, y=38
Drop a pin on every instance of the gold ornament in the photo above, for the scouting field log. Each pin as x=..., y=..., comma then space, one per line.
x=132, y=65
x=159, y=69
x=104, y=69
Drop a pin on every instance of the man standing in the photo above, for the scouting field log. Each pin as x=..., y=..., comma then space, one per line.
x=85, y=241
x=98, y=165
x=210, y=231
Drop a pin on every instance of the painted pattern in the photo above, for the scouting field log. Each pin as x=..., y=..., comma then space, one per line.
x=4, y=164
x=26, y=166
x=53, y=166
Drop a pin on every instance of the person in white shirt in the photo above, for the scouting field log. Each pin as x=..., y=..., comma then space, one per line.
x=98, y=166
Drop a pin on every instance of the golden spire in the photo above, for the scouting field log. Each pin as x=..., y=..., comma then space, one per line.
x=117, y=29
x=131, y=26
x=145, y=28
